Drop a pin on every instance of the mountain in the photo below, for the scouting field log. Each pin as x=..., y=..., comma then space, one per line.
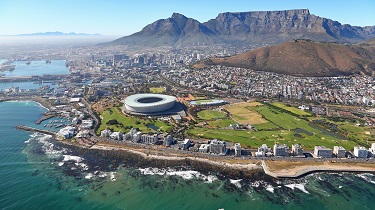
x=57, y=33
x=265, y=27
x=303, y=58
x=177, y=29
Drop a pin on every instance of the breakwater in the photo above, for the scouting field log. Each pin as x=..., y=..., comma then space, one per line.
x=26, y=128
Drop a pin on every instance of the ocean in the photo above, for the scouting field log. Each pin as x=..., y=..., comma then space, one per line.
x=37, y=67
x=38, y=173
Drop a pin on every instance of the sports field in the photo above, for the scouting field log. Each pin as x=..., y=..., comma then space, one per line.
x=157, y=90
x=291, y=109
x=243, y=113
x=211, y=114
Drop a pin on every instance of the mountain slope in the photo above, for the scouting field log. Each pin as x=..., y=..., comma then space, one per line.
x=265, y=27
x=174, y=30
x=303, y=58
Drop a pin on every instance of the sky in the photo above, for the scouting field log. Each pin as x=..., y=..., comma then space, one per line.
x=124, y=17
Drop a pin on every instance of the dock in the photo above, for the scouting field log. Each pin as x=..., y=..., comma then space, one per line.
x=26, y=128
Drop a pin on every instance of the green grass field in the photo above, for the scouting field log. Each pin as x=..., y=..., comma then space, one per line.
x=203, y=101
x=280, y=128
x=254, y=139
x=221, y=123
x=293, y=110
x=282, y=119
x=211, y=114
x=141, y=124
x=157, y=90
x=243, y=113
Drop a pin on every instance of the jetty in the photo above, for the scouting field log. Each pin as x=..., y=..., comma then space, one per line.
x=26, y=128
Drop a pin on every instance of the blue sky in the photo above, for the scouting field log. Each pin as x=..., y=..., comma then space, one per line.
x=124, y=17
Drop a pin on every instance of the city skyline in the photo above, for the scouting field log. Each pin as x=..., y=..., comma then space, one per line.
x=125, y=18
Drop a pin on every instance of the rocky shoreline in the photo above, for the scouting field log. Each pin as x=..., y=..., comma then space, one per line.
x=252, y=171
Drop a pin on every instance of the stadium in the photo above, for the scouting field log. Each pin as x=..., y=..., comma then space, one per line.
x=148, y=103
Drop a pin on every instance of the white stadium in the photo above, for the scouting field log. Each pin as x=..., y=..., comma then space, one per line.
x=148, y=103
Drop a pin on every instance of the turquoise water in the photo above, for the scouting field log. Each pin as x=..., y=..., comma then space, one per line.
x=38, y=173
x=2, y=60
x=38, y=68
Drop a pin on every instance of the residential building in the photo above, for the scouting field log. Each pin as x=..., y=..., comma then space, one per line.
x=67, y=132
x=137, y=136
x=297, y=150
x=322, y=152
x=360, y=152
x=87, y=124
x=237, y=149
x=105, y=133
x=372, y=149
x=186, y=144
x=149, y=139
x=339, y=151
x=264, y=148
x=204, y=148
x=116, y=136
x=280, y=150
x=218, y=147
x=168, y=141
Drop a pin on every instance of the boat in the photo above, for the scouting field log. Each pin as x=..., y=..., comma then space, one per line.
x=28, y=62
x=48, y=61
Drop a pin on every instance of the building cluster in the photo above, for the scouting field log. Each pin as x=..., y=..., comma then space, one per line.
x=245, y=82
x=138, y=137
x=282, y=150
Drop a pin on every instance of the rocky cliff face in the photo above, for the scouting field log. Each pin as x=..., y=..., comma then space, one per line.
x=293, y=23
x=247, y=28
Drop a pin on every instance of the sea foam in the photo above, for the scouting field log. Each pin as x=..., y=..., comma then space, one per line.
x=298, y=186
x=188, y=174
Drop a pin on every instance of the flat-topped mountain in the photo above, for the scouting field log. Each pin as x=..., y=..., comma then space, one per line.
x=303, y=58
x=268, y=27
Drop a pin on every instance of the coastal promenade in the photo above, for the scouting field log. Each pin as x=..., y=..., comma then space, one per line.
x=294, y=172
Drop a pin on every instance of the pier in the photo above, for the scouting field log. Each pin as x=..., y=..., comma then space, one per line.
x=26, y=128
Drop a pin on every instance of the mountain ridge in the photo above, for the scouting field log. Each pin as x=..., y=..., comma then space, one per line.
x=270, y=27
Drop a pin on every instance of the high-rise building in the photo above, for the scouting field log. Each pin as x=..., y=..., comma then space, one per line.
x=280, y=150
x=339, y=151
x=322, y=152
x=237, y=149
x=168, y=141
x=372, y=149
x=218, y=147
x=264, y=148
x=297, y=150
x=360, y=152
